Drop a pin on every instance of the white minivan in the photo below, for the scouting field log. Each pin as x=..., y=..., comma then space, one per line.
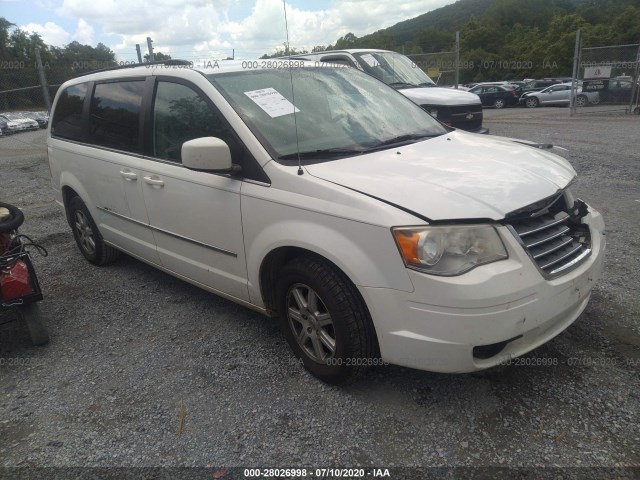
x=322, y=196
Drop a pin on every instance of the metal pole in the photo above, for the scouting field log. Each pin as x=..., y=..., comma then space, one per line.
x=152, y=58
x=43, y=81
x=457, y=58
x=138, y=52
x=635, y=90
x=574, y=79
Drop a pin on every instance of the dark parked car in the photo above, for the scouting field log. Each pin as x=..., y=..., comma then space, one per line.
x=618, y=91
x=497, y=96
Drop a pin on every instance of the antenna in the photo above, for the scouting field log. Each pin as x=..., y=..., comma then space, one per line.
x=293, y=97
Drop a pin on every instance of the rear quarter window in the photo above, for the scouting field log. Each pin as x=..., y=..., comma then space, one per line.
x=114, y=117
x=67, y=118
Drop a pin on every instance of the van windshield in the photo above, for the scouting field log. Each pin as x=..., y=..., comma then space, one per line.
x=338, y=111
x=394, y=69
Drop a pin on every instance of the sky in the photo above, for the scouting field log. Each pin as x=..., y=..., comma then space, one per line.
x=207, y=29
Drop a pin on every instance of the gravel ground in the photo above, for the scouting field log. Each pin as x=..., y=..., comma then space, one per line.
x=131, y=346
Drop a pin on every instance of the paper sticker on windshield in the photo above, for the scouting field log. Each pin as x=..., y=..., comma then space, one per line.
x=370, y=59
x=272, y=102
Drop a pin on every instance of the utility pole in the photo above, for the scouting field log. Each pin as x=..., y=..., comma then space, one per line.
x=576, y=71
x=138, y=52
x=152, y=58
x=43, y=81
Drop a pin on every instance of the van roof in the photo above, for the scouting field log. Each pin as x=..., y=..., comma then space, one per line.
x=207, y=67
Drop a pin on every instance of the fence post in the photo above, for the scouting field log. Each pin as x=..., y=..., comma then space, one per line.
x=138, y=52
x=43, y=80
x=635, y=90
x=576, y=69
x=457, y=58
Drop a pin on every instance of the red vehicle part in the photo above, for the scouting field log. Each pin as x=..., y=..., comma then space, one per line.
x=14, y=281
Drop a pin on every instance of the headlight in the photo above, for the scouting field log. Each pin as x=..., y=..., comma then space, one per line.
x=450, y=250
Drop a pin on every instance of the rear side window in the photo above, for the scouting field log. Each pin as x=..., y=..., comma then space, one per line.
x=67, y=118
x=114, y=119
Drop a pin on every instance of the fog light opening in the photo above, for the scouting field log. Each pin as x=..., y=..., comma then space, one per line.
x=484, y=352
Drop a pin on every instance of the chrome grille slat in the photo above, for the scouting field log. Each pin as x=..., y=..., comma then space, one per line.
x=549, y=247
x=554, y=241
x=538, y=240
x=543, y=224
x=574, y=249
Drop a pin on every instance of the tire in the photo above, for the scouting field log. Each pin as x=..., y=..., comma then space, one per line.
x=636, y=110
x=499, y=103
x=87, y=235
x=531, y=102
x=596, y=100
x=582, y=101
x=17, y=218
x=325, y=320
x=32, y=316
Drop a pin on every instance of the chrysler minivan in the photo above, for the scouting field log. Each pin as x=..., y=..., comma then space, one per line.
x=323, y=197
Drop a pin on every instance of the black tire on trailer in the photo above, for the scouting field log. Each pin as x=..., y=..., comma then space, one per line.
x=32, y=316
x=17, y=218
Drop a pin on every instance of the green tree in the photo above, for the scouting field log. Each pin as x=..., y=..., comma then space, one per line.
x=158, y=56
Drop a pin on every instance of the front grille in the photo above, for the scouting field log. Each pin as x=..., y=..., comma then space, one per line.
x=464, y=117
x=556, y=240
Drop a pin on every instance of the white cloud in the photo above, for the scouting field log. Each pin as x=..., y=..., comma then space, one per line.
x=84, y=33
x=202, y=28
x=51, y=33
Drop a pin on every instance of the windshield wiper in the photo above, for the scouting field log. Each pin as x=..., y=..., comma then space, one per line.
x=326, y=152
x=403, y=139
x=402, y=84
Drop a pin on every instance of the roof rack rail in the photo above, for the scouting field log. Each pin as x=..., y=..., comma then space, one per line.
x=169, y=62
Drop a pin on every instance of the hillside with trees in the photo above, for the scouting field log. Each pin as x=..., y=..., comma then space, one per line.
x=536, y=38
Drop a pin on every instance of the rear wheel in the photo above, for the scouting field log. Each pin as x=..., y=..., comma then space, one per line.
x=87, y=235
x=531, y=102
x=325, y=320
x=499, y=103
x=582, y=101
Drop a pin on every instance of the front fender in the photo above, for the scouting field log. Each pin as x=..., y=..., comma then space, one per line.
x=366, y=253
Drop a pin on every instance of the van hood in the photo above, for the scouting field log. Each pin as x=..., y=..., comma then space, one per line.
x=455, y=176
x=440, y=96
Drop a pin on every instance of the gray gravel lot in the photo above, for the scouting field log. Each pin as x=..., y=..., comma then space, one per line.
x=130, y=344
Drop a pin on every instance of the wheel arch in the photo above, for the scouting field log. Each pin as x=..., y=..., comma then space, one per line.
x=71, y=187
x=277, y=258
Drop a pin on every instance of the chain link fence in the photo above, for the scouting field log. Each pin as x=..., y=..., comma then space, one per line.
x=25, y=86
x=608, y=77
x=442, y=67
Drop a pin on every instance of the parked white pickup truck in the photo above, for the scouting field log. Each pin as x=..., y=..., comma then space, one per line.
x=455, y=108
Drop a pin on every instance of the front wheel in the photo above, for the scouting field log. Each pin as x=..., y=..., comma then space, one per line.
x=531, y=102
x=325, y=320
x=87, y=235
x=499, y=103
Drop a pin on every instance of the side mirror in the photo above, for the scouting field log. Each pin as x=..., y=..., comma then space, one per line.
x=206, y=153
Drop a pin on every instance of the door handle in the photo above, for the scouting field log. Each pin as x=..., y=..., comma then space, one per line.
x=154, y=181
x=128, y=175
